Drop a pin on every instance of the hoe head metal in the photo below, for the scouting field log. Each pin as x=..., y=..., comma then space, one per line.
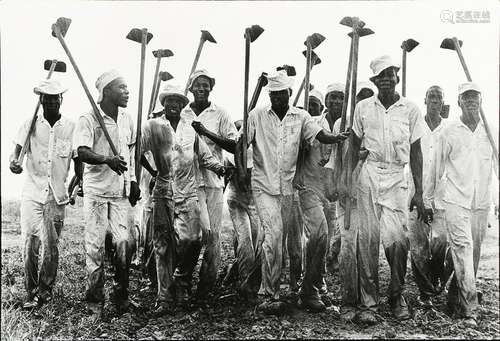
x=263, y=78
x=136, y=35
x=349, y=21
x=315, y=60
x=206, y=36
x=163, y=53
x=60, y=66
x=362, y=32
x=61, y=25
x=165, y=76
x=409, y=44
x=254, y=32
x=290, y=70
x=315, y=40
x=449, y=45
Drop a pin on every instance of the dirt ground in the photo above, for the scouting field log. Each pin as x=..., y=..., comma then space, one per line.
x=225, y=316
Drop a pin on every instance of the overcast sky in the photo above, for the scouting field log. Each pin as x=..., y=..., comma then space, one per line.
x=97, y=41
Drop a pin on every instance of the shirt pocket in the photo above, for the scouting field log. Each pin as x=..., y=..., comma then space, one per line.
x=63, y=148
x=400, y=137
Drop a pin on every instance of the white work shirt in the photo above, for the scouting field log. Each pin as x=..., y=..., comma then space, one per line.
x=191, y=157
x=48, y=158
x=275, y=145
x=100, y=180
x=463, y=169
x=428, y=144
x=310, y=174
x=388, y=133
x=216, y=120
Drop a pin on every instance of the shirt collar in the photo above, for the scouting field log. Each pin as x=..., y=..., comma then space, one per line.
x=291, y=110
x=400, y=102
x=42, y=119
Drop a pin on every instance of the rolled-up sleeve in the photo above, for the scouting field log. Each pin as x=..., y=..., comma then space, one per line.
x=310, y=128
x=22, y=133
x=227, y=127
x=357, y=125
x=84, y=133
x=416, y=124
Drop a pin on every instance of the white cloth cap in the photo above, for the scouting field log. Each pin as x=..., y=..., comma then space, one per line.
x=172, y=90
x=364, y=85
x=468, y=86
x=279, y=81
x=335, y=87
x=381, y=63
x=105, y=79
x=318, y=95
x=50, y=87
x=198, y=73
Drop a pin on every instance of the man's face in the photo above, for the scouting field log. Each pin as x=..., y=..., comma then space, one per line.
x=173, y=106
x=117, y=92
x=51, y=103
x=434, y=101
x=364, y=94
x=470, y=102
x=279, y=99
x=334, y=101
x=201, y=88
x=386, y=81
x=315, y=106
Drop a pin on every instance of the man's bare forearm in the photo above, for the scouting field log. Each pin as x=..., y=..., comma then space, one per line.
x=226, y=144
x=416, y=166
x=145, y=163
x=85, y=154
x=78, y=167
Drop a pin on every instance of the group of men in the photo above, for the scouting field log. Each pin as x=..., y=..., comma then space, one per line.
x=418, y=184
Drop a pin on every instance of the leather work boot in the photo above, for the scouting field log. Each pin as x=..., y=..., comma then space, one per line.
x=313, y=304
x=31, y=302
x=399, y=308
x=272, y=307
x=347, y=314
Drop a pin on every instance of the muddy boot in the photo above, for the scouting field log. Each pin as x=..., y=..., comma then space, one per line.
x=232, y=274
x=399, y=308
x=31, y=302
x=312, y=304
x=367, y=317
x=272, y=307
x=425, y=301
x=347, y=314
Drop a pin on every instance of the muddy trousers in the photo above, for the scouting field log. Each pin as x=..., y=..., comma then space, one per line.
x=334, y=237
x=164, y=241
x=102, y=215
x=212, y=201
x=188, y=222
x=292, y=239
x=248, y=233
x=428, y=252
x=41, y=225
x=316, y=242
x=148, y=257
x=349, y=259
x=272, y=211
x=378, y=221
x=466, y=229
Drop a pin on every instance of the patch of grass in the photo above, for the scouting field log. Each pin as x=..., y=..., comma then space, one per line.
x=15, y=325
x=10, y=214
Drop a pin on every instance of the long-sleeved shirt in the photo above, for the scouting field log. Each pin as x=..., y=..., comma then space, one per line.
x=48, y=158
x=101, y=180
x=191, y=157
x=275, y=145
x=216, y=120
x=463, y=167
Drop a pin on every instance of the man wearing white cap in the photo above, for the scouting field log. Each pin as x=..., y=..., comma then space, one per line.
x=44, y=196
x=311, y=179
x=187, y=155
x=428, y=239
x=216, y=120
x=108, y=181
x=275, y=133
x=389, y=126
x=334, y=101
x=461, y=186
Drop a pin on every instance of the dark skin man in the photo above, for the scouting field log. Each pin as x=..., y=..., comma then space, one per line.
x=116, y=96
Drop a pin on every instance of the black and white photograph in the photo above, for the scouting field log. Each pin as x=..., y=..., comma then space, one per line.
x=249, y=169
